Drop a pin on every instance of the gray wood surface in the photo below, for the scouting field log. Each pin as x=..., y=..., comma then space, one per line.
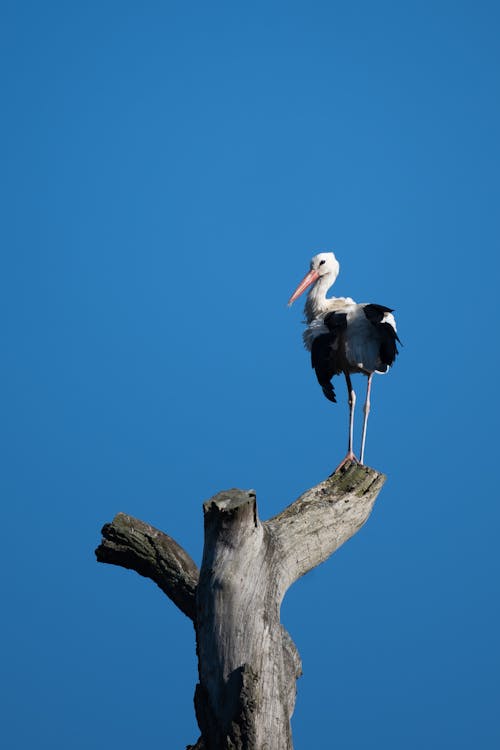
x=248, y=663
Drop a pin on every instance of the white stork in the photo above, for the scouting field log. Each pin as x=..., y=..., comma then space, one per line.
x=343, y=336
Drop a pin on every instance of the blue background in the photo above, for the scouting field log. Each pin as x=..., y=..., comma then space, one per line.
x=168, y=170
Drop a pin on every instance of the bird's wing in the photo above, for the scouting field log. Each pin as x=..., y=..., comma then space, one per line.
x=382, y=318
x=315, y=328
x=326, y=352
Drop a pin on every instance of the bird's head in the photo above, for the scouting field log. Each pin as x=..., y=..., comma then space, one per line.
x=322, y=264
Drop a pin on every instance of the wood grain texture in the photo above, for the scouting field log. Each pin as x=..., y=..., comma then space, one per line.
x=248, y=664
x=243, y=696
x=136, y=545
x=309, y=530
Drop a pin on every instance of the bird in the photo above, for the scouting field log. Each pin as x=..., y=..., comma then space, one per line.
x=345, y=337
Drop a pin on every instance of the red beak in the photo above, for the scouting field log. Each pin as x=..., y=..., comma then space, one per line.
x=308, y=279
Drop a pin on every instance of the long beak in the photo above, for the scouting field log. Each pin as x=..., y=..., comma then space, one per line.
x=308, y=279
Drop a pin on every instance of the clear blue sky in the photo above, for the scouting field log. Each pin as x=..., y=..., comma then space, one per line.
x=168, y=169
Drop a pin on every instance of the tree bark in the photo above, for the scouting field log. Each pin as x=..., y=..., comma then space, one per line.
x=151, y=553
x=248, y=664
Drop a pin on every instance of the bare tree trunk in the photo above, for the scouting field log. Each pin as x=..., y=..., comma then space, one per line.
x=248, y=664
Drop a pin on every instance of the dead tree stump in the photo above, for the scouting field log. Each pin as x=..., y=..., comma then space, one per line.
x=247, y=662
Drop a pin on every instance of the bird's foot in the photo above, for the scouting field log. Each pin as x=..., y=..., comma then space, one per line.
x=350, y=458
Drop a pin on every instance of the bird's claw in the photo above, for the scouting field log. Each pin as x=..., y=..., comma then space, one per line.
x=350, y=458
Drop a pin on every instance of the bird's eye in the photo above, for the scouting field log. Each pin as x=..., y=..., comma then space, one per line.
x=321, y=262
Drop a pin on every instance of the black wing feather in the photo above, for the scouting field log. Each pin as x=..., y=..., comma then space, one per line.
x=375, y=313
x=388, y=336
x=336, y=321
x=326, y=353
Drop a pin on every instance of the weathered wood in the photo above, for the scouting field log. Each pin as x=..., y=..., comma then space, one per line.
x=243, y=696
x=248, y=664
x=138, y=546
x=312, y=528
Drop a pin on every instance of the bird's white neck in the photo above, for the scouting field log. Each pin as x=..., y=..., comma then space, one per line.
x=317, y=302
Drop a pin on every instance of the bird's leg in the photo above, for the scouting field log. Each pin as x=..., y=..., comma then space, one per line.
x=366, y=410
x=352, y=403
